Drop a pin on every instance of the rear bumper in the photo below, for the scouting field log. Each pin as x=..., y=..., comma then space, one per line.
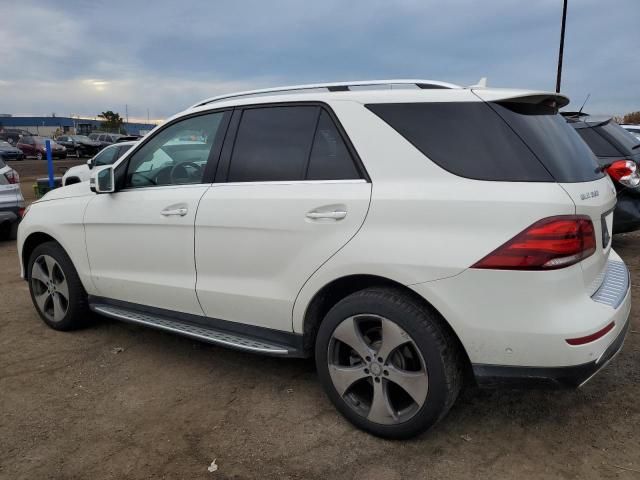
x=571, y=377
x=516, y=325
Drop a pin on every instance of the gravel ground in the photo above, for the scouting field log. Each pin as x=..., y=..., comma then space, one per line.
x=120, y=401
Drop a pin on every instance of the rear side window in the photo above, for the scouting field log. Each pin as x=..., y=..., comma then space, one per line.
x=2, y=164
x=330, y=158
x=495, y=142
x=625, y=139
x=289, y=143
x=600, y=145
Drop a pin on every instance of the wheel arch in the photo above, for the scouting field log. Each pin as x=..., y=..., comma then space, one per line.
x=29, y=245
x=339, y=288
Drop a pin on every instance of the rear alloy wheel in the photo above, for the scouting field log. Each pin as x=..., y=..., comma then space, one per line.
x=386, y=380
x=39, y=156
x=387, y=362
x=55, y=288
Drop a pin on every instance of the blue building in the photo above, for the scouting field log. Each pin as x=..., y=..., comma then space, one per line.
x=47, y=126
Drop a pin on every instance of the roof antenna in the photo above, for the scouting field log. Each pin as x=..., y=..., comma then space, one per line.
x=585, y=102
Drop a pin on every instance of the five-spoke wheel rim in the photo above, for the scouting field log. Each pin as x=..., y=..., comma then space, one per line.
x=377, y=369
x=50, y=288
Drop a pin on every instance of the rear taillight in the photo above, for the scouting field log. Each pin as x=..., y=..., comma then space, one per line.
x=551, y=243
x=21, y=212
x=625, y=172
x=12, y=176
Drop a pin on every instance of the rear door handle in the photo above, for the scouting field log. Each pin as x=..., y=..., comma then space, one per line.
x=174, y=211
x=335, y=215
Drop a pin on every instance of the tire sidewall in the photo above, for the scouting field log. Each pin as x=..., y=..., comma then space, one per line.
x=411, y=319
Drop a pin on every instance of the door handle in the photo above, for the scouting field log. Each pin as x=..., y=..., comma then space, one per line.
x=174, y=211
x=335, y=215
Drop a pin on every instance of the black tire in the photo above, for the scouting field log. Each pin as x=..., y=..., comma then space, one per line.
x=437, y=345
x=77, y=312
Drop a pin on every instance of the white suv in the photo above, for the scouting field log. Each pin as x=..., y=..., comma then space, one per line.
x=408, y=238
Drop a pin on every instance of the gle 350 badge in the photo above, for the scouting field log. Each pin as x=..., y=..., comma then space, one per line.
x=588, y=195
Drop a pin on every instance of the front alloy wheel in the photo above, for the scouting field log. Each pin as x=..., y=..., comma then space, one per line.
x=377, y=369
x=50, y=288
x=56, y=289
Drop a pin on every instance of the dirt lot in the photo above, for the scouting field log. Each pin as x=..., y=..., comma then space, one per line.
x=120, y=401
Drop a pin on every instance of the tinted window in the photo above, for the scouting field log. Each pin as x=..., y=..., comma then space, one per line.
x=554, y=142
x=621, y=136
x=177, y=154
x=330, y=158
x=273, y=144
x=487, y=141
x=467, y=139
x=599, y=144
x=2, y=164
x=106, y=157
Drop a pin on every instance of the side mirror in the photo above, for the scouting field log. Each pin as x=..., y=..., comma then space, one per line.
x=90, y=163
x=103, y=181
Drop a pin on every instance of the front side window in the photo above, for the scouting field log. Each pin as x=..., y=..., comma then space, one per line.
x=177, y=154
x=289, y=143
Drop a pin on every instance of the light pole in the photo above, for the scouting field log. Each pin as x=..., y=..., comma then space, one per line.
x=564, y=22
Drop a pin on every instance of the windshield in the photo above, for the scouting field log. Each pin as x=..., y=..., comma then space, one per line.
x=80, y=137
x=620, y=135
x=4, y=144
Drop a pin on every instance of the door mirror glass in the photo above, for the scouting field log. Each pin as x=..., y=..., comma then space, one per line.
x=103, y=181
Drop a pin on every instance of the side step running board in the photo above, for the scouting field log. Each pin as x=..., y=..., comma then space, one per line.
x=198, y=332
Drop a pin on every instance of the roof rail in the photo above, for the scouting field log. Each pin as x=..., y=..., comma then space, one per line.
x=332, y=87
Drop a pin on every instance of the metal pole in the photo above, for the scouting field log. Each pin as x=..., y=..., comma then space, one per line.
x=560, y=53
x=47, y=145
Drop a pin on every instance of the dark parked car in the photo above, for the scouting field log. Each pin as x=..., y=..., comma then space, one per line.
x=33, y=146
x=13, y=135
x=618, y=153
x=79, y=145
x=105, y=139
x=9, y=152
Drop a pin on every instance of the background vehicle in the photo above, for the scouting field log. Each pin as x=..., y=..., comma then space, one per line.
x=9, y=152
x=79, y=145
x=105, y=139
x=34, y=146
x=107, y=156
x=11, y=201
x=13, y=135
x=618, y=153
x=634, y=129
x=403, y=237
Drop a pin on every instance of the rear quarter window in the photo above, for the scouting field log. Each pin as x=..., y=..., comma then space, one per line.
x=490, y=141
x=598, y=143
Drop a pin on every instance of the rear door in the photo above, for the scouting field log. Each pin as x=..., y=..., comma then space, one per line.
x=290, y=193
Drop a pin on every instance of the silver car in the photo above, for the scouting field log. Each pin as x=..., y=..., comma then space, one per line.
x=11, y=201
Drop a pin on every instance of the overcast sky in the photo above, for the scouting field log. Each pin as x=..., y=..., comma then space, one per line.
x=81, y=57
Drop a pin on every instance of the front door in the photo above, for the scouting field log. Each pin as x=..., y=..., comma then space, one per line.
x=140, y=239
x=288, y=197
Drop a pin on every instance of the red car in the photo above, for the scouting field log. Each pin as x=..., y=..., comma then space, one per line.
x=33, y=146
